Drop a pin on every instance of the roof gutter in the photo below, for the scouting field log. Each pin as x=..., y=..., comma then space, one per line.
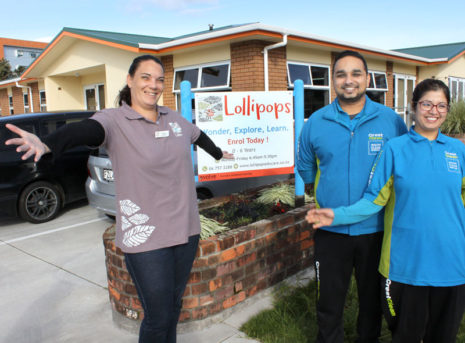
x=265, y=58
x=30, y=94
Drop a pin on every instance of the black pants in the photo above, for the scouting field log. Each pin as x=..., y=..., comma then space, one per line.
x=416, y=313
x=160, y=277
x=336, y=256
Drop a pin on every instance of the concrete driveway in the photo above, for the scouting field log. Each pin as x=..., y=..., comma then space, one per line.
x=53, y=280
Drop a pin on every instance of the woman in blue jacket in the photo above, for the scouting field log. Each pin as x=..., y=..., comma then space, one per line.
x=420, y=180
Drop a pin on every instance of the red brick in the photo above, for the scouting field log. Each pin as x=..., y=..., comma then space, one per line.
x=225, y=268
x=306, y=244
x=199, y=288
x=225, y=243
x=208, y=274
x=245, y=260
x=238, y=287
x=206, y=300
x=130, y=289
x=185, y=315
x=235, y=299
x=200, y=263
x=190, y=302
x=195, y=277
x=114, y=293
x=207, y=247
x=215, y=284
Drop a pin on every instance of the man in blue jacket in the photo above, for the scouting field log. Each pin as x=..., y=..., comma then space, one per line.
x=337, y=148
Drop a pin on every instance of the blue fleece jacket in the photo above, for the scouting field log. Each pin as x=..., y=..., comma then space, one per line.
x=337, y=155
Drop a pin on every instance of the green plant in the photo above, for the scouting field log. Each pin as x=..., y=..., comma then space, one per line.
x=455, y=121
x=293, y=317
x=282, y=193
x=210, y=227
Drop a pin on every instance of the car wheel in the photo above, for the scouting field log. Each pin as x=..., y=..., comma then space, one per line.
x=39, y=202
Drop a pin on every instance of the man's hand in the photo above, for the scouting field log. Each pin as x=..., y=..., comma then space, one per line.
x=320, y=217
x=27, y=142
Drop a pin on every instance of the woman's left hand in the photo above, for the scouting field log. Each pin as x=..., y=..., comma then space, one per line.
x=228, y=156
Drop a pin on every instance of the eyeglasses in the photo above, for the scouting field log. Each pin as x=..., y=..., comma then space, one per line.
x=442, y=107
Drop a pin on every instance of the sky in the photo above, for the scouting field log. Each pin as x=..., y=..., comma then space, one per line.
x=384, y=24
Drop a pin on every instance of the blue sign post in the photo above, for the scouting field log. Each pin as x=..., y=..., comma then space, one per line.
x=186, y=112
x=299, y=123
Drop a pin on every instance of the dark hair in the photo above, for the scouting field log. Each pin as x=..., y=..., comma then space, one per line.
x=125, y=93
x=352, y=53
x=426, y=86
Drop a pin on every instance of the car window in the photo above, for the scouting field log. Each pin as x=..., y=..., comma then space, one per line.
x=8, y=152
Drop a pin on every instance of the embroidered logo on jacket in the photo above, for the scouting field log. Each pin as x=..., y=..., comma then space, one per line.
x=176, y=129
x=452, y=161
x=138, y=234
x=375, y=143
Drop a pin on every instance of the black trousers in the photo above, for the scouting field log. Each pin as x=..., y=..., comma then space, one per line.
x=336, y=257
x=422, y=313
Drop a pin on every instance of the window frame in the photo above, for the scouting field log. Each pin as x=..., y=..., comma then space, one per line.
x=310, y=65
x=311, y=87
x=200, y=67
x=458, y=80
x=26, y=102
x=10, y=103
x=43, y=105
x=198, y=88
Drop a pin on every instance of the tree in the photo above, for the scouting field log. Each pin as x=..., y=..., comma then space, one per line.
x=19, y=70
x=5, y=70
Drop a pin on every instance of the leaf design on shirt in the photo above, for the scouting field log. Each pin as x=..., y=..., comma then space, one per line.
x=137, y=235
x=125, y=224
x=128, y=207
x=139, y=218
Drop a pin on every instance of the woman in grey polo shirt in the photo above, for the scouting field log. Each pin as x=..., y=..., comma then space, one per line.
x=157, y=223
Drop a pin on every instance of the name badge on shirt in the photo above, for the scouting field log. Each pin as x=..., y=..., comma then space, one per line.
x=162, y=134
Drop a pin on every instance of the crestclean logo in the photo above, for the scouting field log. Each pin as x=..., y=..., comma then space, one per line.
x=452, y=162
x=375, y=143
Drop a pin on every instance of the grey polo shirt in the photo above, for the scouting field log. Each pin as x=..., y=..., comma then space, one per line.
x=154, y=177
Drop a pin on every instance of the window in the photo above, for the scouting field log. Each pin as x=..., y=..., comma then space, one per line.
x=94, y=96
x=10, y=100
x=43, y=101
x=377, y=88
x=208, y=77
x=33, y=54
x=19, y=53
x=457, y=88
x=316, y=84
x=26, y=102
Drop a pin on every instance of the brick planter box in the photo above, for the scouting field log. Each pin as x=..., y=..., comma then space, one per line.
x=229, y=268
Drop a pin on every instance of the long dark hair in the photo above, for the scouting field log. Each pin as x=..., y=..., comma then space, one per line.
x=125, y=93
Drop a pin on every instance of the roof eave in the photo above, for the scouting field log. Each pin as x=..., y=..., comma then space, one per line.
x=291, y=33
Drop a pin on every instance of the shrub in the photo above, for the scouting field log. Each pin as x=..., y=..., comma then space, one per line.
x=455, y=121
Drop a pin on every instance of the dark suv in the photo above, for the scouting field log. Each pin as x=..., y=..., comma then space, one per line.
x=37, y=191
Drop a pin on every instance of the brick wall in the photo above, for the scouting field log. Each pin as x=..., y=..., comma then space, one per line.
x=169, y=99
x=333, y=92
x=277, y=69
x=18, y=103
x=390, y=84
x=247, y=66
x=4, y=103
x=228, y=269
x=35, y=96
